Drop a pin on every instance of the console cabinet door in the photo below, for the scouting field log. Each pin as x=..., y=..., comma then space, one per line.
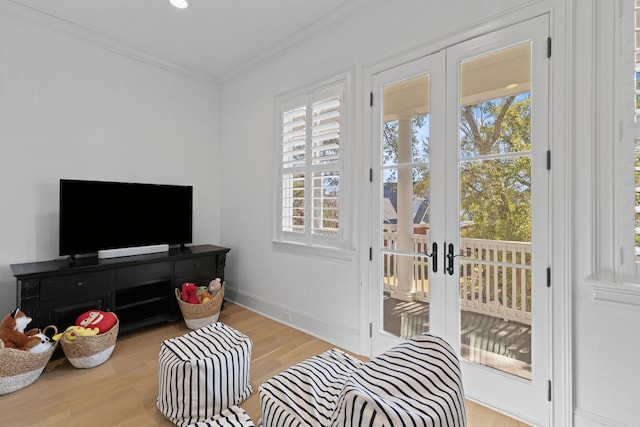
x=63, y=315
x=64, y=298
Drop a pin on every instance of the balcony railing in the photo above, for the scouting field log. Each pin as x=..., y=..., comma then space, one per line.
x=495, y=276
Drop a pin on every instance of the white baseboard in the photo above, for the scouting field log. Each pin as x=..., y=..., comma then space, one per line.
x=139, y=250
x=584, y=418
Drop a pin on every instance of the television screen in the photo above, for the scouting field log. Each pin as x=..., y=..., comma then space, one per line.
x=99, y=215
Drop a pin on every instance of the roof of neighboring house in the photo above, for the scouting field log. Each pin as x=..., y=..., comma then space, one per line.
x=390, y=207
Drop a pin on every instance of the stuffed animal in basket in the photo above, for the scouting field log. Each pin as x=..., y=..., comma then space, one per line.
x=12, y=331
x=102, y=320
x=45, y=344
x=190, y=293
x=73, y=332
x=205, y=296
x=214, y=286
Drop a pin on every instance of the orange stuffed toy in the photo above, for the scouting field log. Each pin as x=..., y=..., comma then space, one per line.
x=12, y=331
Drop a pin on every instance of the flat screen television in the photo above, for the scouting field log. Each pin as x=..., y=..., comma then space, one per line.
x=101, y=215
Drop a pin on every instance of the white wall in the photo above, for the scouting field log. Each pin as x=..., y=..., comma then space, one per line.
x=69, y=109
x=600, y=380
x=605, y=333
x=324, y=295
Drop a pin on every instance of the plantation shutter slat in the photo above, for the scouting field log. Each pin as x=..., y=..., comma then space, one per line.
x=311, y=146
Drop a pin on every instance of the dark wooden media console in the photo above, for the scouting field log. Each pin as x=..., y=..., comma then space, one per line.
x=138, y=288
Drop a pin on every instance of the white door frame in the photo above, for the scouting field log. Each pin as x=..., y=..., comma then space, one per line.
x=523, y=399
x=434, y=66
x=368, y=276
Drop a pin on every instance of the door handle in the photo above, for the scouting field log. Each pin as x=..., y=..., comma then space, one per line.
x=450, y=257
x=434, y=257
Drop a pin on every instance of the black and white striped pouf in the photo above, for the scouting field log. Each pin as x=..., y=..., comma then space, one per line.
x=416, y=383
x=305, y=395
x=234, y=416
x=202, y=373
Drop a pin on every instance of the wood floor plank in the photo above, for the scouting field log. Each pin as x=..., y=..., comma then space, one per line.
x=123, y=390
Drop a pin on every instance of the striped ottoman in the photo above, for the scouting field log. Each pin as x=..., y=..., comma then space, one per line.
x=306, y=394
x=234, y=416
x=203, y=373
x=416, y=383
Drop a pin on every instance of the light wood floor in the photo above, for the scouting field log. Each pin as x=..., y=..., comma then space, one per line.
x=123, y=390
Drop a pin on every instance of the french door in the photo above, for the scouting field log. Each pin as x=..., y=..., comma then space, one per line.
x=460, y=231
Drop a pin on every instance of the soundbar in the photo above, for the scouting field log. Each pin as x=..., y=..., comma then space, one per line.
x=138, y=250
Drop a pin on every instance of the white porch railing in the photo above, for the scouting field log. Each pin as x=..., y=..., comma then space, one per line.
x=495, y=276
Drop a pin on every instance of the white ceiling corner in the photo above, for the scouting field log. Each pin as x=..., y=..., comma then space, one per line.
x=212, y=39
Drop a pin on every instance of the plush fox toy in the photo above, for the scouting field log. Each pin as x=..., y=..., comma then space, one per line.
x=12, y=331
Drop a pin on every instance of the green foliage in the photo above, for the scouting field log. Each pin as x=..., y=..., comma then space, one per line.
x=495, y=180
x=419, y=152
x=495, y=191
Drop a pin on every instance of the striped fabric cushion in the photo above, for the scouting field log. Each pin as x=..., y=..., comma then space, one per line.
x=306, y=394
x=416, y=383
x=230, y=417
x=203, y=373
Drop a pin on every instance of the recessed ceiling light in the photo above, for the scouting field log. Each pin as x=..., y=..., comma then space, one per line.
x=512, y=86
x=180, y=4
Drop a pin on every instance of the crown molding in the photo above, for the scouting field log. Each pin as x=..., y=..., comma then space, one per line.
x=81, y=34
x=322, y=24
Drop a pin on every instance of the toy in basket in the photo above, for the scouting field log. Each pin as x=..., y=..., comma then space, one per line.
x=200, y=306
x=91, y=340
x=23, y=356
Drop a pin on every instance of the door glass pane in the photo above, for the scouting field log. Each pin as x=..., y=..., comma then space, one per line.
x=495, y=210
x=405, y=216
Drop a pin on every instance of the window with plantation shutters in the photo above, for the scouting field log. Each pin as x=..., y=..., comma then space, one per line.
x=311, y=166
x=616, y=152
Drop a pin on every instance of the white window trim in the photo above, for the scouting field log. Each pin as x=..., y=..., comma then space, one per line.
x=340, y=248
x=625, y=293
x=616, y=275
x=626, y=269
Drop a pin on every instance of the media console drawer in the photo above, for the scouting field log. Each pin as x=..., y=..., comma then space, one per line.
x=197, y=267
x=75, y=285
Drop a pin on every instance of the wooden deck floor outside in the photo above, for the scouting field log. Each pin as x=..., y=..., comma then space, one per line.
x=489, y=340
x=123, y=390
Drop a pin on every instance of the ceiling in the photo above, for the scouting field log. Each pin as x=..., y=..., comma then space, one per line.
x=211, y=38
x=494, y=75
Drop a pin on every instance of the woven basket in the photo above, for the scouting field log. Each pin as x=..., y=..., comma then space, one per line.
x=90, y=351
x=19, y=368
x=197, y=316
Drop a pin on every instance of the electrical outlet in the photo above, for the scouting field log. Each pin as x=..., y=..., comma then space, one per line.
x=286, y=315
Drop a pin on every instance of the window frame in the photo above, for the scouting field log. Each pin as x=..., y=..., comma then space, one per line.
x=626, y=270
x=339, y=246
x=616, y=274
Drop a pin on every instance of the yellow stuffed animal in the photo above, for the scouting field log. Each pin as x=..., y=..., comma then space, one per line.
x=73, y=332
